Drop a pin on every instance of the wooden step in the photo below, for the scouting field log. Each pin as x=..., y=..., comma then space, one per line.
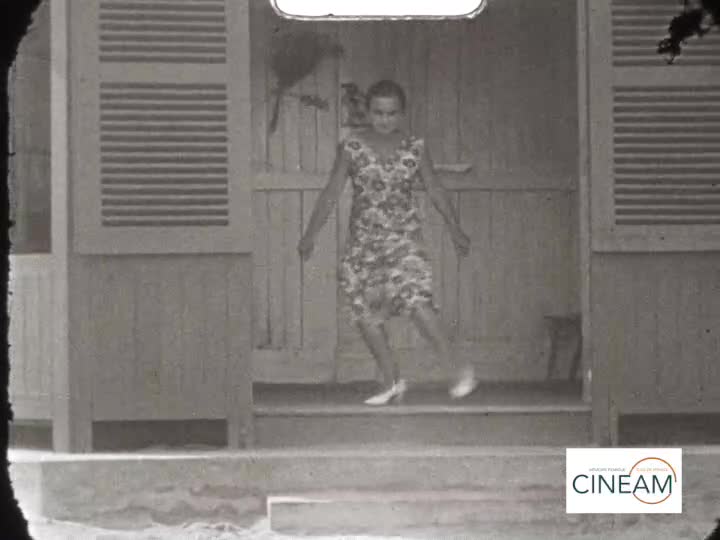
x=497, y=414
x=496, y=427
x=373, y=512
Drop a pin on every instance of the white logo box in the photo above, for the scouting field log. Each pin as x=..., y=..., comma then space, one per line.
x=623, y=481
x=379, y=8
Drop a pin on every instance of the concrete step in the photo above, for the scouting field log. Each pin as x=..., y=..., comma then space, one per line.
x=171, y=486
x=372, y=512
x=496, y=415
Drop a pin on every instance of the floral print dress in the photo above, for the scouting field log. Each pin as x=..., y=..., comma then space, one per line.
x=385, y=270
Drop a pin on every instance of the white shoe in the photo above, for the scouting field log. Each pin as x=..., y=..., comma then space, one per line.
x=395, y=393
x=465, y=386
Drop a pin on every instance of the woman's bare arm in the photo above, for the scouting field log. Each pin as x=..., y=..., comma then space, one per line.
x=327, y=200
x=437, y=192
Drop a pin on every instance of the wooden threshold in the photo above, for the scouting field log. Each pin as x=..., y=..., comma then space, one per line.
x=506, y=397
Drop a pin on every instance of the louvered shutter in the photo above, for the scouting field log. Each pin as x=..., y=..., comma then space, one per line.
x=159, y=126
x=654, y=131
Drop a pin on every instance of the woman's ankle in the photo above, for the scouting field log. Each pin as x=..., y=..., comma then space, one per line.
x=466, y=371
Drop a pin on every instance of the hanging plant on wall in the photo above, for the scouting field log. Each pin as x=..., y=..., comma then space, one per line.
x=352, y=103
x=295, y=55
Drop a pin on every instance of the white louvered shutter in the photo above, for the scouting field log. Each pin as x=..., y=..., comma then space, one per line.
x=159, y=126
x=654, y=131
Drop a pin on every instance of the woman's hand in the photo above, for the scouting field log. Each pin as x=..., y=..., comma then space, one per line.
x=461, y=241
x=325, y=202
x=441, y=200
x=305, y=247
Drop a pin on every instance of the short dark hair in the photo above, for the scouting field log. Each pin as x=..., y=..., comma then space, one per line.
x=385, y=88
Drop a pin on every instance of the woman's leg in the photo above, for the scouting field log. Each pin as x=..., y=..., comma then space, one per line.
x=430, y=326
x=374, y=335
x=393, y=364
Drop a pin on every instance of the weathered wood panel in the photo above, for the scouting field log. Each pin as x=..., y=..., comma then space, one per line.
x=295, y=310
x=474, y=97
x=319, y=299
x=448, y=267
x=523, y=265
x=31, y=335
x=325, y=142
x=518, y=271
x=499, y=91
x=307, y=126
x=658, y=330
x=442, y=99
x=237, y=342
x=163, y=335
x=261, y=271
x=419, y=79
x=259, y=84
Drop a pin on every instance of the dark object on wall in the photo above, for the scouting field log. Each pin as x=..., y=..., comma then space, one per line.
x=295, y=55
x=696, y=21
x=354, y=113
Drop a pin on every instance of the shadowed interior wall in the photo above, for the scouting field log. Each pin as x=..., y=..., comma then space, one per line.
x=488, y=99
x=29, y=175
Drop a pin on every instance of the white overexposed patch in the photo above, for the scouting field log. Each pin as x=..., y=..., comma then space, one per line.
x=378, y=8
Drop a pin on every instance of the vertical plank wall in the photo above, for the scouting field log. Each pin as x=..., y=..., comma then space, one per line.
x=657, y=320
x=29, y=88
x=163, y=337
x=497, y=93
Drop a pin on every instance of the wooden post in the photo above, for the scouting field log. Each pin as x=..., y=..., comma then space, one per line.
x=239, y=393
x=594, y=369
x=72, y=420
x=584, y=199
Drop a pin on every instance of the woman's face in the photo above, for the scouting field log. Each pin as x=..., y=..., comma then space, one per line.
x=386, y=114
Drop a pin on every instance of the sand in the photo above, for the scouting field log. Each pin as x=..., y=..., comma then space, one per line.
x=644, y=528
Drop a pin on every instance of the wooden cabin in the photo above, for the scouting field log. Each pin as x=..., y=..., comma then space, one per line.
x=155, y=275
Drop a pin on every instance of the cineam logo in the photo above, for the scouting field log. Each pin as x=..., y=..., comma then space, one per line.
x=623, y=481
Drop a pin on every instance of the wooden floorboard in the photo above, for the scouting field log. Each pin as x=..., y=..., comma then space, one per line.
x=543, y=395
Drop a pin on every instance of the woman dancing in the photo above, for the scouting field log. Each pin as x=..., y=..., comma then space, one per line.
x=385, y=270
